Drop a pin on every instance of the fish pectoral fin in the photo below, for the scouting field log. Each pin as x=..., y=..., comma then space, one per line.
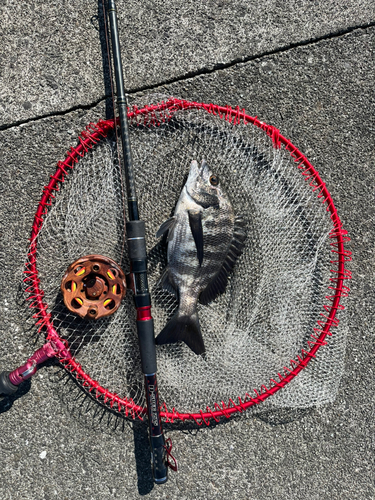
x=183, y=328
x=218, y=284
x=195, y=221
x=168, y=225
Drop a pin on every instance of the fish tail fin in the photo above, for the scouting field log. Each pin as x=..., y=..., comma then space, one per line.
x=182, y=327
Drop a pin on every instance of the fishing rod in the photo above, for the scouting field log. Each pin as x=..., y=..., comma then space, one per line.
x=135, y=229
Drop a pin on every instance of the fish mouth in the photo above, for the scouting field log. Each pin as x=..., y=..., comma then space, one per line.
x=196, y=172
x=195, y=176
x=203, y=167
x=195, y=168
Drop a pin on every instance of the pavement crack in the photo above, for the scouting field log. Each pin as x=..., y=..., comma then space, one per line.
x=245, y=59
x=199, y=72
x=54, y=113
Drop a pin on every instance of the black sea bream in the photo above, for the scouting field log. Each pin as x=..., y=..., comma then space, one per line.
x=204, y=240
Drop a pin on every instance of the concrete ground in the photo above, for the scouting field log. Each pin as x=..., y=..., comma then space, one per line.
x=306, y=67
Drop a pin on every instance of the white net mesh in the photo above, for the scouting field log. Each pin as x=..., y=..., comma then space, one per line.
x=273, y=298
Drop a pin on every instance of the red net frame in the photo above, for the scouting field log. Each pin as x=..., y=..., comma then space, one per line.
x=153, y=116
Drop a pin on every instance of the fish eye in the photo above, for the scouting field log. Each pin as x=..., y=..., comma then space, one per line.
x=214, y=180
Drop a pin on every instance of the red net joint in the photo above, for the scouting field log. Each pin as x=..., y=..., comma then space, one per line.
x=144, y=313
x=29, y=368
x=61, y=350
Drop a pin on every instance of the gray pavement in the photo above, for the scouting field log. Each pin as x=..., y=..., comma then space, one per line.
x=308, y=68
x=51, y=52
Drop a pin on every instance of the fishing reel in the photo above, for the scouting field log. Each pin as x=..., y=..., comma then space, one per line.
x=93, y=287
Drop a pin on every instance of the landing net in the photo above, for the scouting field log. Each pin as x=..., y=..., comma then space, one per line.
x=279, y=315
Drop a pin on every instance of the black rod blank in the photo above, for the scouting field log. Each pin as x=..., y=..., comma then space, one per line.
x=122, y=110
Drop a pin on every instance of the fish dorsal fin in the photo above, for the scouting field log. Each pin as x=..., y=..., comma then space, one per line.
x=219, y=282
x=167, y=225
x=195, y=221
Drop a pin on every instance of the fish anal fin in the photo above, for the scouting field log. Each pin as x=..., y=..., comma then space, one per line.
x=218, y=284
x=166, y=282
x=195, y=221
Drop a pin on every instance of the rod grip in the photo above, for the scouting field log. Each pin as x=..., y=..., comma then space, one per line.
x=147, y=345
x=135, y=231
